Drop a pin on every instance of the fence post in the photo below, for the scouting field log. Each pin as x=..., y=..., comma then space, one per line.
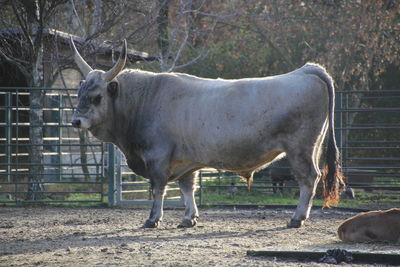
x=8, y=147
x=59, y=134
x=339, y=123
x=111, y=175
x=118, y=177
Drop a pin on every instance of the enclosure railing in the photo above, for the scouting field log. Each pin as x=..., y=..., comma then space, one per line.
x=71, y=166
x=131, y=189
x=75, y=167
x=367, y=129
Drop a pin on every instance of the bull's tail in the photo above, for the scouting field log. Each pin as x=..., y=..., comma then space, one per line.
x=332, y=177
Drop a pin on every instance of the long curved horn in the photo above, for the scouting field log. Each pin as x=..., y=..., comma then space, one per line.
x=109, y=75
x=83, y=66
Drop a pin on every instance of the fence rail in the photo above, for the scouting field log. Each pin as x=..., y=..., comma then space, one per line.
x=72, y=167
x=77, y=168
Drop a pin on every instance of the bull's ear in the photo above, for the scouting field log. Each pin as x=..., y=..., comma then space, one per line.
x=112, y=88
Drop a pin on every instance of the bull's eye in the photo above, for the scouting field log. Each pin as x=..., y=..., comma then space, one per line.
x=96, y=100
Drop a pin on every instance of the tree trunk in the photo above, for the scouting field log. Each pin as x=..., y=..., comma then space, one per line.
x=163, y=36
x=96, y=20
x=36, y=101
x=36, y=144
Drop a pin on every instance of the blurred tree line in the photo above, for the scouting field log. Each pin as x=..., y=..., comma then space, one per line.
x=356, y=40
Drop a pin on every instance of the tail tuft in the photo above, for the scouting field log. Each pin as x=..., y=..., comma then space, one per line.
x=333, y=184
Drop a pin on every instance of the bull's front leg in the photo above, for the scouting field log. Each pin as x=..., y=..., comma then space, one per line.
x=187, y=186
x=156, y=214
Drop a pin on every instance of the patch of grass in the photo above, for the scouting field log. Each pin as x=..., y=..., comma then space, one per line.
x=372, y=200
x=264, y=196
x=62, y=194
x=214, y=192
x=251, y=198
x=240, y=199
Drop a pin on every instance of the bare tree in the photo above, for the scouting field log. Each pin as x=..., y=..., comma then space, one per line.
x=162, y=22
x=31, y=18
x=183, y=32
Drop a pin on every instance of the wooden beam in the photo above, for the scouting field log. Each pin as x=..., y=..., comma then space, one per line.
x=358, y=257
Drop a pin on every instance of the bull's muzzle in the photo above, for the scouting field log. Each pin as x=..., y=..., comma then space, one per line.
x=76, y=123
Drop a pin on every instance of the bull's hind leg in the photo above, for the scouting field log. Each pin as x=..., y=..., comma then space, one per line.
x=187, y=186
x=307, y=173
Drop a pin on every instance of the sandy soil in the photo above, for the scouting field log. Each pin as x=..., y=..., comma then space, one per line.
x=42, y=236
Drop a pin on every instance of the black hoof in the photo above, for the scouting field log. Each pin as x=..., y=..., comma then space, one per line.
x=295, y=223
x=186, y=223
x=151, y=224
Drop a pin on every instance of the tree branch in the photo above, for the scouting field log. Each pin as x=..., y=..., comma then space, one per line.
x=77, y=17
x=20, y=64
x=22, y=25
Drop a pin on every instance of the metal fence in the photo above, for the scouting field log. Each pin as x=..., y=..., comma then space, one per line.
x=369, y=131
x=131, y=189
x=73, y=165
x=77, y=168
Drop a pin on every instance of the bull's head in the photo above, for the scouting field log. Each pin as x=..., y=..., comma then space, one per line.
x=96, y=92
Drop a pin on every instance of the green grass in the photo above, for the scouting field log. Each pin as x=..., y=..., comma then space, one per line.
x=218, y=196
x=372, y=200
x=63, y=195
x=264, y=196
x=253, y=197
x=250, y=199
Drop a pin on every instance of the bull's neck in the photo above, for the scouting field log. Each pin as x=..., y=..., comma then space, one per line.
x=123, y=123
x=118, y=127
x=128, y=108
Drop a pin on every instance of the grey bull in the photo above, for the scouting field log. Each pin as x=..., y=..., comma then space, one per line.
x=169, y=125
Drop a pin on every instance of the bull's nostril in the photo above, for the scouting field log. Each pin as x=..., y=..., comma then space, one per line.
x=76, y=123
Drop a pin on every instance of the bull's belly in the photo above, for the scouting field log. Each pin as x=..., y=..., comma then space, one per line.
x=245, y=163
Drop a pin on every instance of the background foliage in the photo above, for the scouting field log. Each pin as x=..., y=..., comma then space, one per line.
x=357, y=41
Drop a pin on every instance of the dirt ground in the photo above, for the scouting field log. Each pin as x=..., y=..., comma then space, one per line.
x=49, y=236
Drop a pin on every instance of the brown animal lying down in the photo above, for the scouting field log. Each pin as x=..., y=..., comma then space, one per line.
x=379, y=225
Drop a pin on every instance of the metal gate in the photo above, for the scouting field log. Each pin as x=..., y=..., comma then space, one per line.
x=368, y=127
x=72, y=165
x=127, y=188
x=78, y=168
